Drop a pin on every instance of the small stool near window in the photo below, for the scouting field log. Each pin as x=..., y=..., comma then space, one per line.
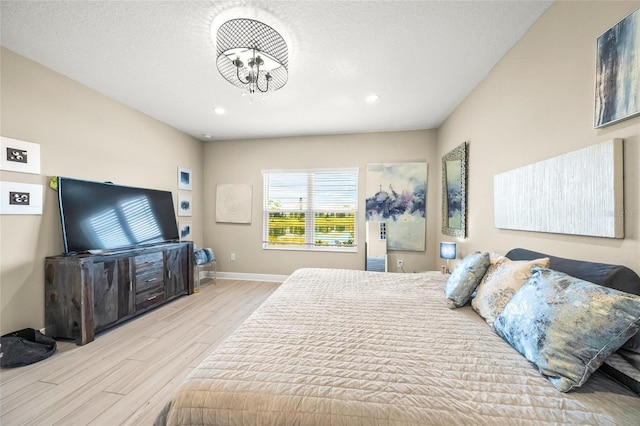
x=204, y=259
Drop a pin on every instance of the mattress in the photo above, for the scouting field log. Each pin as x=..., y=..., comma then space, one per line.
x=347, y=347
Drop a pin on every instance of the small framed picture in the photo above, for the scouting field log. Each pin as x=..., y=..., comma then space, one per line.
x=184, y=205
x=184, y=179
x=19, y=156
x=184, y=229
x=20, y=198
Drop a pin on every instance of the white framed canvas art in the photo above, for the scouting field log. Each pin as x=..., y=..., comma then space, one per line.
x=19, y=156
x=184, y=205
x=577, y=193
x=20, y=198
x=184, y=229
x=184, y=179
x=233, y=203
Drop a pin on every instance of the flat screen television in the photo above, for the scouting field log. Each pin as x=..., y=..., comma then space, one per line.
x=99, y=216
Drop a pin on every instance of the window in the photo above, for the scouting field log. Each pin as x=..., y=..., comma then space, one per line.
x=310, y=209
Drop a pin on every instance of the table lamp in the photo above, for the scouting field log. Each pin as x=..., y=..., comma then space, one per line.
x=448, y=251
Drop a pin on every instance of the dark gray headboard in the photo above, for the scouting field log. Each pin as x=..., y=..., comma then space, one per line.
x=614, y=276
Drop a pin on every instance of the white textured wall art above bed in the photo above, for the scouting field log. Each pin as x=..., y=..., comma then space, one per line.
x=578, y=193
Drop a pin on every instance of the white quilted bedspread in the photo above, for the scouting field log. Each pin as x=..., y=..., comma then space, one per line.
x=345, y=347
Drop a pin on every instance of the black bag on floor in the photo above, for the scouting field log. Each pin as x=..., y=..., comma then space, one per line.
x=25, y=347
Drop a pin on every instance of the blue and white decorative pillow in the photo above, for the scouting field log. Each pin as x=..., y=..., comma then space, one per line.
x=502, y=280
x=566, y=326
x=465, y=278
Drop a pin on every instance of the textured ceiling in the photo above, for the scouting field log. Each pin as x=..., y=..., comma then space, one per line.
x=422, y=57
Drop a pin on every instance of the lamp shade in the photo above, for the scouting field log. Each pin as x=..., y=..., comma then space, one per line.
x=252, y=55
x=448, y=250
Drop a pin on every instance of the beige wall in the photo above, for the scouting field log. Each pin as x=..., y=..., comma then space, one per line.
x=242, y=161
x=82, y=134
x=535, y=104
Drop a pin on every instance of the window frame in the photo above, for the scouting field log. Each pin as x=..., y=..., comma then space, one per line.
x=310, y=212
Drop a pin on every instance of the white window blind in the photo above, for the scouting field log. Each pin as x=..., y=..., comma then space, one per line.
x=314, y=209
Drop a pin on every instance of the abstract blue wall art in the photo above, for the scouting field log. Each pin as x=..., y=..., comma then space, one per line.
x=397, y=194
x=184, y=178
x=185, y=231
x=184, y=205
x=617, y=94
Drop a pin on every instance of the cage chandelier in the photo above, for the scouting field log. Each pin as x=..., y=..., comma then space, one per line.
x=251, y=55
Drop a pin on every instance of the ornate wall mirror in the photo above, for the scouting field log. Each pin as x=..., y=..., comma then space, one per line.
x=454, y=192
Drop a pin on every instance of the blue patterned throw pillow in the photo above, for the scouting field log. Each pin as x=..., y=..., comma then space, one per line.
x=465, y=278
x=566, y=326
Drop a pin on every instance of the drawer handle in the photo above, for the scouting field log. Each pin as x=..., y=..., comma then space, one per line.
x=151, y=279
x=152, y=297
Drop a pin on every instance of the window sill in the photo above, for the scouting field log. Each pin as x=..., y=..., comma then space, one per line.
x=315, y=249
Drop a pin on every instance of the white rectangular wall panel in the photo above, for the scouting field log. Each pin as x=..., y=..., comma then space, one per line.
x=578, y=193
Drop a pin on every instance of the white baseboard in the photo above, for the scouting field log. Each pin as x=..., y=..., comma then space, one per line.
x=247, y=277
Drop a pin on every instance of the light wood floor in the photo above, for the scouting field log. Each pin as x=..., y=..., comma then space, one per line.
x=127, y=374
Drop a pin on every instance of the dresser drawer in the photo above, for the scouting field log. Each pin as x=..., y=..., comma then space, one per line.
x=151, y=296
x=149, y=279
x=148, y=263
x=149, y=271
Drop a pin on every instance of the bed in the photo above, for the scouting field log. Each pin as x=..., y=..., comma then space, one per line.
x=347, y=347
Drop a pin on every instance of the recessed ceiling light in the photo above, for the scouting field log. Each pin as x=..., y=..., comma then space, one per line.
x=372, y=99
x=219, y=110
x=206, y=135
